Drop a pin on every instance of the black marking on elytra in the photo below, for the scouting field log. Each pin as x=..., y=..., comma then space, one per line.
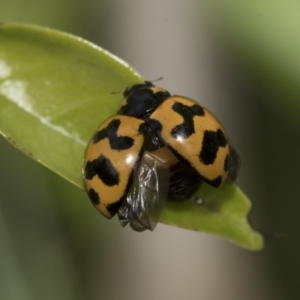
x=94, y=197
x=114, y=207
x=214, y=182
x=105, y=170
x=187, y=128
x=116, y=142
x=212, y=141
x=100, y=135
x=90, y=170
x=141, y=102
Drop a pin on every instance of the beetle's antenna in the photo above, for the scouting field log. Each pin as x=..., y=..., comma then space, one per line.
x=158, y=79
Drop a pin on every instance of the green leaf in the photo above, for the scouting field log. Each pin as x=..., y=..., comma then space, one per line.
x=55, y=89
x=223, y=212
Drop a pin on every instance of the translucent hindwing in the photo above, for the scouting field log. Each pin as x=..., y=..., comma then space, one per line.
x=147, y=195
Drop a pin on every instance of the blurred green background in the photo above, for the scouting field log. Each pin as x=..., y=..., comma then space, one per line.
x=241, y=60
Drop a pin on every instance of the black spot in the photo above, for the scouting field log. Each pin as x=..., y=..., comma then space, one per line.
x=142, y=101
x=104, y=169
x=99, y=135
x=212, y=140
x=182, y=131
x=116, y=142
x=215, y=182
x=90, y=170
x=221, y=137
x=114, y=207
x=185, y=129
x=120, y=143
x=198, y=110
x=94, y=197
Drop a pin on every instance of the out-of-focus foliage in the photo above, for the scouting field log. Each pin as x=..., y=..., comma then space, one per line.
x=264, y=36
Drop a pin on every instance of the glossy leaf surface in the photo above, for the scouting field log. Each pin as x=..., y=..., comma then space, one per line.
x=55, y=89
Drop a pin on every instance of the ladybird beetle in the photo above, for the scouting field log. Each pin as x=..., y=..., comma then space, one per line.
x=156, y=147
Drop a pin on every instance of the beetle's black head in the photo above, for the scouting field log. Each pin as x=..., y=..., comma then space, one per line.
x=141, y=99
